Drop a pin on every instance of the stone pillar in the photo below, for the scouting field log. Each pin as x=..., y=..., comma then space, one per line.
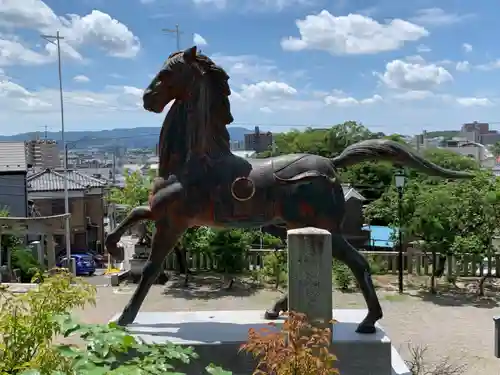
x=1, y=256
x=51, y=251
x=496, y=319
x=43, y=253
x=310, y=274
x=40, y=254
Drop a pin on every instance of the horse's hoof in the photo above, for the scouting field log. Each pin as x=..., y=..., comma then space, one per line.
x=124, y=320
x=366, y=329
x=271, y=315
x=367, y=326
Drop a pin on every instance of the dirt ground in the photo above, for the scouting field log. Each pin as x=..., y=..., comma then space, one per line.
x=454, y=323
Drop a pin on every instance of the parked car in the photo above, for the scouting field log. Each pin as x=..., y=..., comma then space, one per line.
x=85, y=264
x=99, y=259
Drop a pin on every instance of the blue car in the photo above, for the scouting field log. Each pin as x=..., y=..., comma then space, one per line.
x=85, y=264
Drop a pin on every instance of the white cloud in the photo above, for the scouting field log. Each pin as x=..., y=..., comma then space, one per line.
x=345, y=101
x=351, y=34
x=403, y=75
x=415, y=59
x=10, y=89
x=198, y=40
x=16, y=98
x=266, y=110
x=413, y=95
x=467, y=47
x=462, y=66
x=438, y=17
x=94, y=29
x=422, y=48
x=474, y=102
x=489, y=66
x=247, y=68
x=81, y=79
x=267, y=90
x=15, y=53
x=220, y=4
x=254, y=5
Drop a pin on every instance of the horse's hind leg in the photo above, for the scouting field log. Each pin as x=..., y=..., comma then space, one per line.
x=321, y=204
x=346, y=253
x=181, y=256
x=164, y=240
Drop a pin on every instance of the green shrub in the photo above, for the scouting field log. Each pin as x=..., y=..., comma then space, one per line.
x=342, y=276
x=27, y=325
x=24, y=260
x=229, y=248
x=378, y=265
x=275, y=268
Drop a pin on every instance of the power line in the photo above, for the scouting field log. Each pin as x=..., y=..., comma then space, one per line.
x=177, y=33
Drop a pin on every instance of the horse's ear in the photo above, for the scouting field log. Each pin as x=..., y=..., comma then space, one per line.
x=190, y=54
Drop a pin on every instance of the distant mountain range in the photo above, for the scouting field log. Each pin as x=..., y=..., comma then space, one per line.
x=139, y=137
x=129, y=138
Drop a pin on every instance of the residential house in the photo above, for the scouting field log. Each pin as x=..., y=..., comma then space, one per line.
x=86, y=201
x=13, y=170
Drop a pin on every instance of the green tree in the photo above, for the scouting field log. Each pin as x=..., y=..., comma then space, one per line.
x=134, y=193
x=495, y=149
x=448, y=216
x=343, y=135
x=229, y=247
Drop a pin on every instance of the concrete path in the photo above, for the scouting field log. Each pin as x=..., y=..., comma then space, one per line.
x=450, y=326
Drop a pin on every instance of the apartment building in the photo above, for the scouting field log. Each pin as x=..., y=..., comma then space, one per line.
x=480, y=132
x=42, y=153
x=258, y=141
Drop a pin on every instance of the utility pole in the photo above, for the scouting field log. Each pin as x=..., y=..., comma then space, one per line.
x=177, y=33
x=55, y=40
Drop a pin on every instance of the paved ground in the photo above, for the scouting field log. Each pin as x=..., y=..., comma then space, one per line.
x=98, y=279
x=450, y=325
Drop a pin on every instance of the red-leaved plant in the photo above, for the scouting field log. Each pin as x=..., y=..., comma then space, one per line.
x=298, y=349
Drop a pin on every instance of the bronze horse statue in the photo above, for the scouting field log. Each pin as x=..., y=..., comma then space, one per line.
x=200, y=182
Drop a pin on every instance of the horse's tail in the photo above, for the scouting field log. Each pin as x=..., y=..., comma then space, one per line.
x=387, y=150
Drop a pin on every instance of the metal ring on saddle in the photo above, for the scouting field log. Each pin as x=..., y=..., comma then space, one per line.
x=248, y=181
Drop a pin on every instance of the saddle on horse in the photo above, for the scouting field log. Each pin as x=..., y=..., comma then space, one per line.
x=248, y=188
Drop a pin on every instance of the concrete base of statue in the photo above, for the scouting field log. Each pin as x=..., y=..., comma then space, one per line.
x=216, y=337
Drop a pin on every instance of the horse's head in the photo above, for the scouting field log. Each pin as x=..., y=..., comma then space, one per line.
x=174, y=81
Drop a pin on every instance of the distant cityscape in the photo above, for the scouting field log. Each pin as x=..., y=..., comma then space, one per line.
x=32, y=179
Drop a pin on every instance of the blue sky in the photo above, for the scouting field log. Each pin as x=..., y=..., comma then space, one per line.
x=396, y=66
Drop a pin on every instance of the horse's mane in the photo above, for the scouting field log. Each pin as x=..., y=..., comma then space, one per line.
x=172, y=152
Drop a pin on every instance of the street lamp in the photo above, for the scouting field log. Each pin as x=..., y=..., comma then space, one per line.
x=400, y=180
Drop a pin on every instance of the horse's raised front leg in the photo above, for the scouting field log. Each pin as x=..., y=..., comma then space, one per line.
x=164, y=240
x=166, y=204
x=161, y=193
x=137, y=214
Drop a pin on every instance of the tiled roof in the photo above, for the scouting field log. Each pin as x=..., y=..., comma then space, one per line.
x=12, y=157
x=53, y=180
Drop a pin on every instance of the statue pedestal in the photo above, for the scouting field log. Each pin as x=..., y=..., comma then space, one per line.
x=217, y=335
